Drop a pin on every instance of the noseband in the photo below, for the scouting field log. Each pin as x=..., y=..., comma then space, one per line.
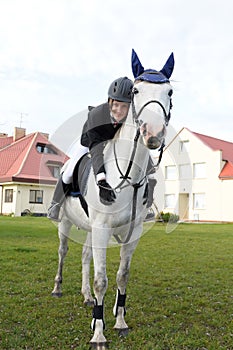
x=137, y=115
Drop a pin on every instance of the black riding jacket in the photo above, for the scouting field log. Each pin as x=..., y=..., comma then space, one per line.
x=98, y=129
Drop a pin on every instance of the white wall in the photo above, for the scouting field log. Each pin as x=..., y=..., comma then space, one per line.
x=8, y=208
x=226, y=200
x=21, y=202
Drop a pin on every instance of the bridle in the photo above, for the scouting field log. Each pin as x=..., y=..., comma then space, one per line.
x=136, y=115
x=167, y=116
x=125, y=177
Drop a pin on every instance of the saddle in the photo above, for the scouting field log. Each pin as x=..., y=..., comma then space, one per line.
x=80, y=177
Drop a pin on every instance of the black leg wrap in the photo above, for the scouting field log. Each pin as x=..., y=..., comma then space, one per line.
x=98, y=314
x=120, y=302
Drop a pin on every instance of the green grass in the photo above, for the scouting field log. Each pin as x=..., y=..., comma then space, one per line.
x=180, y=293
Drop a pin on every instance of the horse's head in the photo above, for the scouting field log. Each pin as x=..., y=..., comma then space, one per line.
x=151, y=100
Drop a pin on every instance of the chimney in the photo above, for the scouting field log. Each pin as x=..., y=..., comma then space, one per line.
x=18, y=133
x=45, y=135
x=2, y=134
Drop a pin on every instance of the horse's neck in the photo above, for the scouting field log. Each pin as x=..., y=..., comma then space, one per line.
x=128, y=128
x=122, y=148
x=128, y=131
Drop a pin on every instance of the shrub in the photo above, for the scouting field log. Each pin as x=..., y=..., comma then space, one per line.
x=168, y=217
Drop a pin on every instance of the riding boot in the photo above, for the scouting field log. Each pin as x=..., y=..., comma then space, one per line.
x=151, y=187
x=59, y=195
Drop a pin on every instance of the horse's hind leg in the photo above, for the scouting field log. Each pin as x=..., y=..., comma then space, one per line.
x=119, y=310
x=86, y=260
x=63, y=233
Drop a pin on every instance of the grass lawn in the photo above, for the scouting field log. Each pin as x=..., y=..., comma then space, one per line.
x=180, y=293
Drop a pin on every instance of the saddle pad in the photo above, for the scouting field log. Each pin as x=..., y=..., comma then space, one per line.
x=81, y=174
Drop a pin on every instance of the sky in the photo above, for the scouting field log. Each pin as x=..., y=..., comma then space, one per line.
x=59, y=56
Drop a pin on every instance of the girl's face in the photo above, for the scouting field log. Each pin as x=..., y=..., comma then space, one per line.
x=119, y=110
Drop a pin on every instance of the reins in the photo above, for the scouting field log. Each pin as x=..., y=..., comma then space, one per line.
x=126, y=176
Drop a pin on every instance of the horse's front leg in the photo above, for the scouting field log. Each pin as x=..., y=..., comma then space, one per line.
x=86, y=260
x=63, y=233
x=119, y=310
x=100, y=238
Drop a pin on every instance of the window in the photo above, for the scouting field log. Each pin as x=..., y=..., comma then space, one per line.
x=185, y=171
x=36, y=196
x=199, y=201
x=170, y=172
x=169, y=200
x=184, y=146
x=55, y=170
x=9, y=196
x=43, y=148
x=199, y=170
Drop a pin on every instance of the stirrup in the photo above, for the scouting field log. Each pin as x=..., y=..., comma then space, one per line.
x=150, y=215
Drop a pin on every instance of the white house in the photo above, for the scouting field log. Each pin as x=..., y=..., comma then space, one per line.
x=29, y=167
x=195, y=179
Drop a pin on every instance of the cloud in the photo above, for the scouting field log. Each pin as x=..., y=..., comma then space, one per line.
x=58, y=56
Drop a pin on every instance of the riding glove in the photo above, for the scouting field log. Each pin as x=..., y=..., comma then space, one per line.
x=106, y=193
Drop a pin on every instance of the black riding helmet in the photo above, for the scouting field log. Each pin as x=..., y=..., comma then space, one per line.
x=120, y=90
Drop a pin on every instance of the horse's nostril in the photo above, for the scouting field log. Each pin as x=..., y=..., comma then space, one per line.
x=153, y=142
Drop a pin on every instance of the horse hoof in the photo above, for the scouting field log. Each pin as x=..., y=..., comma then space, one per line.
x=56, y=295
x=99, y=346
x=123, y=332
x=89, y=303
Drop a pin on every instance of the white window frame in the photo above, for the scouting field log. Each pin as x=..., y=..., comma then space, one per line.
x=199, y=201
x=169, y=200
x=184, y=146
x=201, y=172
x=36, y=196
x=56, y=171
x=170, y=175
x=8, y=195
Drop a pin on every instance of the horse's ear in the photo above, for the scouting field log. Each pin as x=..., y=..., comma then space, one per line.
x=168, y=67
x=137, y=67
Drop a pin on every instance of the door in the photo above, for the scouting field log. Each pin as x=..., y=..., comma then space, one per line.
x=184, y=206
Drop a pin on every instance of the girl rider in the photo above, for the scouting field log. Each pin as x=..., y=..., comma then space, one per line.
x=102, y=124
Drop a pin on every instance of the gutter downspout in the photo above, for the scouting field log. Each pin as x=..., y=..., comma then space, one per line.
x=1, y=203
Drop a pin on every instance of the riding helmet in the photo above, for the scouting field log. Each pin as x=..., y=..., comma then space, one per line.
x=120, y=90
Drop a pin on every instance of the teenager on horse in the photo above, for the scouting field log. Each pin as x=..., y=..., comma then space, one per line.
x=102, y=124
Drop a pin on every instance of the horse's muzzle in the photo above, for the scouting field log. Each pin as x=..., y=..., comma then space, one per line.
x=153, y=142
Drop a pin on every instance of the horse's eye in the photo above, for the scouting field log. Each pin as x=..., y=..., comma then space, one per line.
x=135, y=91
x=170, y=93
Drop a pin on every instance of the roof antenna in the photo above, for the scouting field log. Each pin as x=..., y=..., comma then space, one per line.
x=22, y=115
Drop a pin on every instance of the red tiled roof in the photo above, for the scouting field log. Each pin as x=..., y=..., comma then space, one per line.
x=227, y=171
x=21, y=161
x=5, y=141
x=227, y=153
x=217, y=144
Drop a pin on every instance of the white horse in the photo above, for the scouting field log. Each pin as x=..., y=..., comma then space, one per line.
x=125, y=158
